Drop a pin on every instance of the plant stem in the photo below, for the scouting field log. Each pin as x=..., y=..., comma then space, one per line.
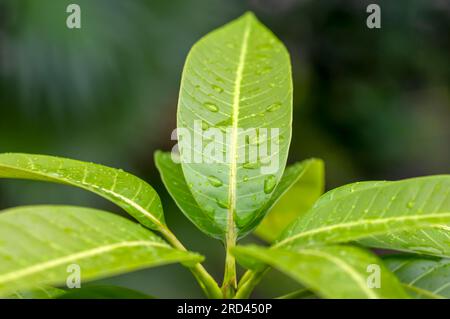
x=229, y=284
x=248, y=282
x=205, y=280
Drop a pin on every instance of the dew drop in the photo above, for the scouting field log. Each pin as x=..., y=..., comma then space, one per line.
x=215, y=181
x=245, y=178
x=211, y=106
x=251, y=165
x=269, y=184
x=218, y=89
x=410, y=204
x=273, y=107
x=205, y=126
x=222, y=203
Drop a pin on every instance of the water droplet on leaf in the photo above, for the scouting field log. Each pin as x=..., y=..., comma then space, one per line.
x=211, y=106
x=215, y=181
x=269, y=184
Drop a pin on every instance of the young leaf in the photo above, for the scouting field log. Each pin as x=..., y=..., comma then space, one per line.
x=329, y=271
x=104, y=292
x=127, y=191
x=423, y=277
x=38, y=243
x=235, y=79
x=305, y=185
x=360, y=210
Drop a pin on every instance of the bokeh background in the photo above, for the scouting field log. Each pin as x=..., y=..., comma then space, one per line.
x=373, y=103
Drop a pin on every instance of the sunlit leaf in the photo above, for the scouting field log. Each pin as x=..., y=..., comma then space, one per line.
x=236, y=78
x=127, y=191
x=329, y=271
x=360, y=210
x=39, y=243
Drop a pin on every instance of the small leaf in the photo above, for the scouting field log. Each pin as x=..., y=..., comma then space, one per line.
x=330, y=271
x=236, y=78
x=360, y=210
x=299, y=188
x=103, y=292
x=38, y=243
x=134, y=195
x=423, y=277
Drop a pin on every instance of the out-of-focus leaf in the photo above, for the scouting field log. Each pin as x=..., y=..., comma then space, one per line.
x=41, y=292
x=104, y=292
x=39, y=243
x=237, y=78
x=127, y=191
x=360, y=210
x=329, y=271
x=423, y=277
x=304, y=184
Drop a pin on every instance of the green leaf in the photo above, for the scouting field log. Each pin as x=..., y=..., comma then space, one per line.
x=104, y=292
x=236, y=78
x=127, y=191
x=423, y=277
x=304, y=183
x=173, y=178
x=41, y=292
x=329, y=271
x=360, y=210
x=38, y=243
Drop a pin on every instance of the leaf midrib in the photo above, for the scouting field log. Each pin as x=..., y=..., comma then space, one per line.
x=87, y=187
x=361, y=223
x=232, y=180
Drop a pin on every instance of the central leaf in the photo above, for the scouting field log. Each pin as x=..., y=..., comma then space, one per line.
x=234, y=122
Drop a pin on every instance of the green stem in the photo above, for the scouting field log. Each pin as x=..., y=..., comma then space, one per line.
x=205, y=280
x=248, y=283
x=229, y=285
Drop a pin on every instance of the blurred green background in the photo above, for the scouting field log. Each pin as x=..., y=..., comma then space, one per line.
x=373, y=103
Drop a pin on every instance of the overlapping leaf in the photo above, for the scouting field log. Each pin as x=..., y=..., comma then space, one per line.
x=236, y=78
x=423, y=277
x=305, y=185
x=329, y=271
x=103, y=292
x=127, y=191
x=38, y=243
x=360, y=210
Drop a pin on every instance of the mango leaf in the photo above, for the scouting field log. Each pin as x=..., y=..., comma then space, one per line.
x=360, y=210
x=173, y=178
x=423, y=277
x=125, y=190
x=428, y=241
x=104, y=292
x=329, y=271
x=306, y=184
x=41, y=292
x=43, y=245
x=236, y=101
